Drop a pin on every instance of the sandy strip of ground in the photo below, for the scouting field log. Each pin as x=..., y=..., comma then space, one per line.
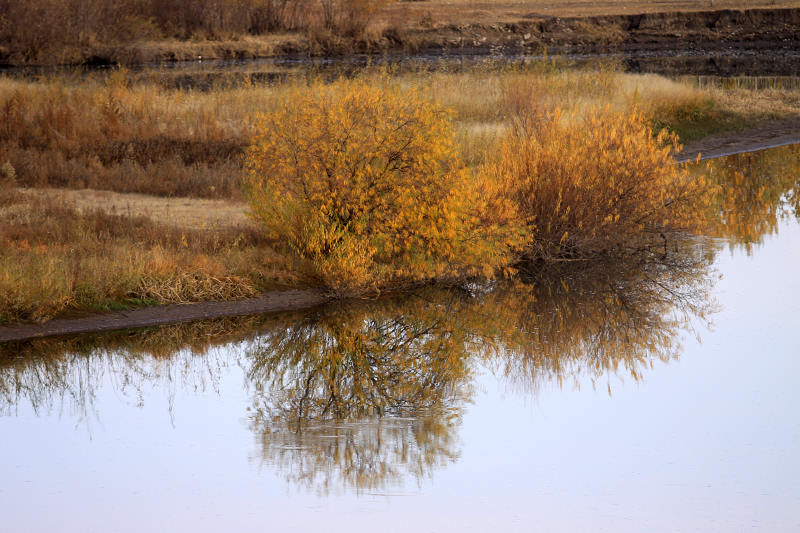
x=196, y=213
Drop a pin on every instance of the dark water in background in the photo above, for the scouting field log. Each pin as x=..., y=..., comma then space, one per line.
x=771, y=67
x=647, y=395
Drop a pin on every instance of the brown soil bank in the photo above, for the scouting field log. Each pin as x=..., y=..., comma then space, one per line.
x=751, y=28
x=758, y=28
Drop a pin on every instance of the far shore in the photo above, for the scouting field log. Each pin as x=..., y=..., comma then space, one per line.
x=436, y=27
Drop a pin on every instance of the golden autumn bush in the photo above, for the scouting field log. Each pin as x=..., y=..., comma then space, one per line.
x=599, y=184
x=359, y=182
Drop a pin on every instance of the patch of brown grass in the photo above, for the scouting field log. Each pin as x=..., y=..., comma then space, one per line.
x=108, y=135
x=197, y=213
x=54, y=258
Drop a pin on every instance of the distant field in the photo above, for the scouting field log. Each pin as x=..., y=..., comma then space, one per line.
x=488, y=11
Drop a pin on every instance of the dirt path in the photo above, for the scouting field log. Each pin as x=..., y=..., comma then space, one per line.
x=168, y=314
x=768, y=135
x=180, y=212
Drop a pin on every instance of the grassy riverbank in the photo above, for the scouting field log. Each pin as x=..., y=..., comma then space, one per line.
x=129, y=137
x=112, y=133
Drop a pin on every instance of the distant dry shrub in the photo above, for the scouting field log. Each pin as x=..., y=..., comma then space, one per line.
x=8, y=184
x=360, y=183
x=602, y=184
x=349, y=17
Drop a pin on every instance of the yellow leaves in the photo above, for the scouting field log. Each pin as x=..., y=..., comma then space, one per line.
x=746, y=194
x=359, y=182
x=593, y=184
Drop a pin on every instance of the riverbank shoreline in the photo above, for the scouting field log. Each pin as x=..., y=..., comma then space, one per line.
x=770, y=135
x=673, y=31
x=160, y=315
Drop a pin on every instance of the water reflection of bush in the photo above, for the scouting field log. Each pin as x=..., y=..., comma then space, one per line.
x=412, y=358
x=371, y=395
x=363, y=396
x=757, y=190
x=65, y=374
x=615, y=318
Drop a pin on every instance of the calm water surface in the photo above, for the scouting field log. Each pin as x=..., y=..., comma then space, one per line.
x=650, y=395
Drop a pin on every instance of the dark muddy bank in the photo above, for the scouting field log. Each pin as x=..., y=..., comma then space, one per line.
x=708, y=30
x=279, y=301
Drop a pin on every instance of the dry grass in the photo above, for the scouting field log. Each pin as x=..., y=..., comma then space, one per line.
x=77, y=249
x=108, y=135
x=55, y=258
x=486, y=102
x=197, y=213
x=114, y=134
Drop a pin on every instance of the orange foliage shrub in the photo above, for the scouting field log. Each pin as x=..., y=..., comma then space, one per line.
x=360, y=183
x=598, y=185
